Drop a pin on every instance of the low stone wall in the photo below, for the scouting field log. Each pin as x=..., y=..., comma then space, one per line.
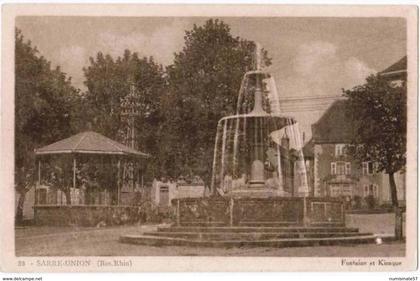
x=268, y=210
x=322, y=211
x=375, y=223
x=243, y=211
x=202, y=210
x=86, y=215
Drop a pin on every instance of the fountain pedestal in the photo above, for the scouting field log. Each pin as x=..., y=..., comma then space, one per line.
x=257, y=174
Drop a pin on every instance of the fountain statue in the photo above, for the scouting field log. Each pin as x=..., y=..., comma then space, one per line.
x=258, y=152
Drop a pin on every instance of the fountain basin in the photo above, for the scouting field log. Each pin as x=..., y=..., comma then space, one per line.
x=274, y=211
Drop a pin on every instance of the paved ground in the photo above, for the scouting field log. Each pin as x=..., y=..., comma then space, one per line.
x=54, y=241
x=373, y=223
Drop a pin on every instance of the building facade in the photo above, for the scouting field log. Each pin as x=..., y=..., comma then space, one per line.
x=335, y=173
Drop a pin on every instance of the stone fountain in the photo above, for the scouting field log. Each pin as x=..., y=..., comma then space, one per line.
x=260, y=194
x=250, y=158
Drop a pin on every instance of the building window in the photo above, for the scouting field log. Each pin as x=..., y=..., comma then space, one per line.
x=337, y=190
x=371, y=190
x=340, y=149
x=341, y=168
x=333, y=168
x=348, y=168
x=376, y=191
x=368, y=168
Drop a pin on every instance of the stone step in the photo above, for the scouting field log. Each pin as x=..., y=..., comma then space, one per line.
x=204, y=224
x=280, y=224
x=288, y=242
x=256, y=224
x=251, y=235
x=253, y=224
x=202, y=229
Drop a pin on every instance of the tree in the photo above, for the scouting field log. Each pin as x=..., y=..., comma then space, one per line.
x=44, y=98
x=203, y=85
x=379, y=112
x=108, y=81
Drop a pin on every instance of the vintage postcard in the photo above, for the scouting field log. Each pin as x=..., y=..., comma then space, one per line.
x=209, y=138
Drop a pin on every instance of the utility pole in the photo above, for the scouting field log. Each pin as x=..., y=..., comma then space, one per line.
x=130, y=110
x=130, y=105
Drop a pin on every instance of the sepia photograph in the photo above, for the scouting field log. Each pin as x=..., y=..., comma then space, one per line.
x=212, y=135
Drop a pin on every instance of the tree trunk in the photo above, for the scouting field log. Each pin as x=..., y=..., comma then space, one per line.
x=397, y=210
x=398, y=224
x=20, y=205
x=393, y=189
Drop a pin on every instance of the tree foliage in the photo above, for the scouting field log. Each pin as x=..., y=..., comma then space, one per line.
x=203, y=85
x=179, y=106
x=108, y=81
x=379, y=112
x=44, y=102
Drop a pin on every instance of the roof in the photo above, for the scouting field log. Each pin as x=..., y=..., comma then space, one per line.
x=308, y=149
x=89, y=142
x=334, y=126
x=397, y=69
x=399, y=65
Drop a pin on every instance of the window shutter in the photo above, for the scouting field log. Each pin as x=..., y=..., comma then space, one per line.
x=339, y=149
x=348, y=168
x=365, y=168
x=333, y=168
x=370, y=167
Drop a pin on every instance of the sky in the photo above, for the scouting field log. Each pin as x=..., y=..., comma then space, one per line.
x=311, y=57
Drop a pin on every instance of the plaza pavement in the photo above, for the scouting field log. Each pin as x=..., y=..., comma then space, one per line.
x=78, y=241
